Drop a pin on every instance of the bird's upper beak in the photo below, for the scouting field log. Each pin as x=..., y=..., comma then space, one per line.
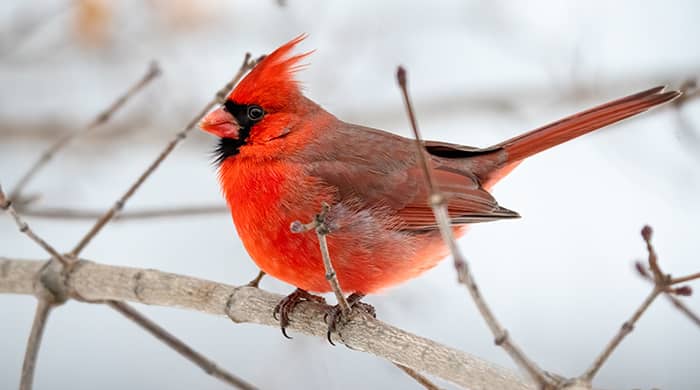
x=220, y=123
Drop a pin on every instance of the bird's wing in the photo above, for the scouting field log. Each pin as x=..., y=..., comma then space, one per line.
x=381, y=170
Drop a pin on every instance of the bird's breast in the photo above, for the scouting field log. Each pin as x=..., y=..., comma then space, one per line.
x=265, y=197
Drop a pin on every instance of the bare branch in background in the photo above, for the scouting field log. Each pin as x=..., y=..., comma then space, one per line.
x=625, y=329
x=423, y=381
x=6, y=204
x=671, y=293
x=26, y=27
x=152, y=72
x=219, y=98
x=43, y=309
x=183, y=349
x=98, y=282
x=505, y=103
x=160, y=212
x=678, y=304
x=662, y=283
x=439, y=205
x=686, y=128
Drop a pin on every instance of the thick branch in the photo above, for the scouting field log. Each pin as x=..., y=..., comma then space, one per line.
x=247, y=304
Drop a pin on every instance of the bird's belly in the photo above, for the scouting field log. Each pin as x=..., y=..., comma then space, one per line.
x=367, y=256
x=366, y=249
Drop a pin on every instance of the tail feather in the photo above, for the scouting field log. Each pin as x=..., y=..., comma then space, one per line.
x=553, y=134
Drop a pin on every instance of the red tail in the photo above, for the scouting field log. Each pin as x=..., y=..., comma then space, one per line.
x=553, y=134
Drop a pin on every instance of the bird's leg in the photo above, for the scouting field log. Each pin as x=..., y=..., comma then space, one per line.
x=288, y=303
x=335, y=314
x=255, y=282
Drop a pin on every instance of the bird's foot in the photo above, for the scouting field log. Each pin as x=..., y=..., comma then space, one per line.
x=287, y=305
x=335, y=315
x=256, y=282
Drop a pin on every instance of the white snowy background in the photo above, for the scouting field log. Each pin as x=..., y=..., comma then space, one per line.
x=561, y=279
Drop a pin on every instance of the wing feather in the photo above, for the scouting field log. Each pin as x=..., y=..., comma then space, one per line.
x=382, y=171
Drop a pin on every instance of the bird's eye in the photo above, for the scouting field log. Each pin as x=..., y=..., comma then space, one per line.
x=255, y=113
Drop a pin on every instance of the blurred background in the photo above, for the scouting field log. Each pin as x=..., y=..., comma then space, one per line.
x=561, y=279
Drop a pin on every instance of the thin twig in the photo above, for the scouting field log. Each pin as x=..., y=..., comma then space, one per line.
x=152, y=72
x=43, y=309
x=677, y=303
x=684, y=279
x=164, y=212
x=684, y=309
x=256, y=280
x=660, y=284
x=322, y=230
x=179, y=137
x=183, y=349
x=6, y=204
x=331, y=276
x=625, y=329
x=423, y=381
x=653, y=260
x=439, y=205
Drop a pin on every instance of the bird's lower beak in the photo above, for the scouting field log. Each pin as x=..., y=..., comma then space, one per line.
x=220, y=123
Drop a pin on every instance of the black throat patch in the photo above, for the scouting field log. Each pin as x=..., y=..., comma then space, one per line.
x=229, y=147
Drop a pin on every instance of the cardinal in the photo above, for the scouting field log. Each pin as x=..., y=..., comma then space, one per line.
x=281, y=156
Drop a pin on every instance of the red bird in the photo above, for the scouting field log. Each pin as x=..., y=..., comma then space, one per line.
x=281, y=156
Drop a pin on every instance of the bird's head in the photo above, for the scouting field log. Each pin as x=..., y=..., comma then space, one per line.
x=263, y=106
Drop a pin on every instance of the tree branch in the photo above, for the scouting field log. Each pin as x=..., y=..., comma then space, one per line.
x=661, y=284
x=101, y=118
x=439, y=205
x=146, y=213
x=678, y=304
x=625, y=329
x=43, y=309
x=6, y=204
x=96, y=282
x=423, y=381
x=178, y=346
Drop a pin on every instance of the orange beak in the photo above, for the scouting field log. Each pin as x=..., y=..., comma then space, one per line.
x=220, y=123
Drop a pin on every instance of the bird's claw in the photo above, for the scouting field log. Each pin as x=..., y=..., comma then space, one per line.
x=287, y=304
x=335, y=315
